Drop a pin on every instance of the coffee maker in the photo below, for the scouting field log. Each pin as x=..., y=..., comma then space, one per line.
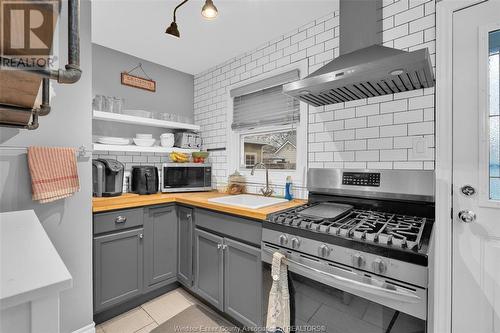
x=107, y=177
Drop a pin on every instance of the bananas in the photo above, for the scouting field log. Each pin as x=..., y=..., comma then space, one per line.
x=179, y=157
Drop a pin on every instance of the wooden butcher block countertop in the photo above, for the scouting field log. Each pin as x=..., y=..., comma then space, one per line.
x=197, y=199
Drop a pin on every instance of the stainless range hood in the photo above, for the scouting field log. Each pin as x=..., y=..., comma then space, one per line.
x=364, y=68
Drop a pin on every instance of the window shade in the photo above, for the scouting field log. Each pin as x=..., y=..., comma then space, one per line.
x=265, y=106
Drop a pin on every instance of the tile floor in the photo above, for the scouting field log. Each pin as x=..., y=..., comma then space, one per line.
x=146, y=317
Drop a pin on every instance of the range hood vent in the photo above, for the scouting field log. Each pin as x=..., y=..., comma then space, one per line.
x=370, y=71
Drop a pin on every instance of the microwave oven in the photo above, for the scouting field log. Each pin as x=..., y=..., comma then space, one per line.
x=186, y=177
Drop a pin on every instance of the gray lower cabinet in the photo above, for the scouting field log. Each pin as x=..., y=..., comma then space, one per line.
x=118, y=262
x=185, y=246
x=228, y=274
x=160, y=246
x=209, y=267
x=242, y=282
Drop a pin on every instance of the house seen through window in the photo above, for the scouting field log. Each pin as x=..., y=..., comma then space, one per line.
x=277, y=150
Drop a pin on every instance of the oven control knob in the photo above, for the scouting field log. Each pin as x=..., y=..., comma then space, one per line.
x=295, y=243
x=379, y=266
x=324, y=250
x=358, y=260
x=283, y=240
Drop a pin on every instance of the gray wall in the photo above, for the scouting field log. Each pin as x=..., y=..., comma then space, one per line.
x=174, y=90
x=68, y=222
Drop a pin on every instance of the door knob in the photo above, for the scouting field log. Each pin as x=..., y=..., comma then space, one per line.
x=467, y=216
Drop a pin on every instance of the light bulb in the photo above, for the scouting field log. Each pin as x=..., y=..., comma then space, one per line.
x=209, y=11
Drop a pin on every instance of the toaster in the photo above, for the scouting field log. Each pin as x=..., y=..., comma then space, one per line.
x=187, y=140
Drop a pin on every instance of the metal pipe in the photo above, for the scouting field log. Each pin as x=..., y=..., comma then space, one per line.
x=177, y=7
x=45, y=106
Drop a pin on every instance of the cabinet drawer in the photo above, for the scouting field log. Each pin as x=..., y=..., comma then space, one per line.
x=233, y=226
x=117, y=220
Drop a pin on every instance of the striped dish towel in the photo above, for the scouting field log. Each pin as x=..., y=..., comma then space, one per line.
x=53, y=172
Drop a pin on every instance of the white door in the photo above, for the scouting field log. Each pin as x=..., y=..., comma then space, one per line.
x=476, y=169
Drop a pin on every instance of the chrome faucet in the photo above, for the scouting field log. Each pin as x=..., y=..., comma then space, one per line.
x=266, y=191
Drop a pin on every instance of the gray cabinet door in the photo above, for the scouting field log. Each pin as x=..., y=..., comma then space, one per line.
x=243, y=282
x=160, y=246
x=118, y=261
x=209, y=267
x=185, y=249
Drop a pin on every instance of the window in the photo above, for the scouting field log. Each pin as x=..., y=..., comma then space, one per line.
x=276, y=150
x=266, y=126
x=494, y=114
x=250, y=159
x=264, y=119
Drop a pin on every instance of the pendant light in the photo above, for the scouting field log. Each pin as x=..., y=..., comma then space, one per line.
x=209, y=11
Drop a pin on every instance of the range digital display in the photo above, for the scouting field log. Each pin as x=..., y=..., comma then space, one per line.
x=361, y=179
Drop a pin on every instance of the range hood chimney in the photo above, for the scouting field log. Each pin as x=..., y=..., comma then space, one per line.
x=364, y=68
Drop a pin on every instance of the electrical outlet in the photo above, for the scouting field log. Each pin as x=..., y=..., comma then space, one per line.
x=420, y=150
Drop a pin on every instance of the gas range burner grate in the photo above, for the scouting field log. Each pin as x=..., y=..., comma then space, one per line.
x=372, y=226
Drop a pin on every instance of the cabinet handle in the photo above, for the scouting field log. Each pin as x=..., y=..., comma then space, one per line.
x=224, y=247
x=120, y=219
x=141, y=236
x=219, y=246
x=188, y=216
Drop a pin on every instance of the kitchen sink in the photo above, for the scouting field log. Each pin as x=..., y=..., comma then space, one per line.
x=248, y=201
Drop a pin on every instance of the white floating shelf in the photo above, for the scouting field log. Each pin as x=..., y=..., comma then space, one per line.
x=133, y=148
x=126, y=119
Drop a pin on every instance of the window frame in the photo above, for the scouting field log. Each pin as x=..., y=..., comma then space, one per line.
x=254, y=155
x=234, y=144
x=484, y=112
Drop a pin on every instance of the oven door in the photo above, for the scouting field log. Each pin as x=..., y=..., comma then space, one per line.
x=334, y=298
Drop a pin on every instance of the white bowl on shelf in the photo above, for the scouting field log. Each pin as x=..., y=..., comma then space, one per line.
x=144, y=142
x=144, y=136
x=167, y=140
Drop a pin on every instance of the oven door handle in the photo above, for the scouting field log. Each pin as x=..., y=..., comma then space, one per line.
x=397, y=294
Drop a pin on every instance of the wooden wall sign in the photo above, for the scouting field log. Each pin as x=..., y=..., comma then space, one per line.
x=138, y=82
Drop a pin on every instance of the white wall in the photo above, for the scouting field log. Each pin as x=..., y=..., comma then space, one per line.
x=67, y=222
x=368, y=133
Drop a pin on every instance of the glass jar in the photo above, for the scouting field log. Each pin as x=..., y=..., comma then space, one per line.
x=236, y=183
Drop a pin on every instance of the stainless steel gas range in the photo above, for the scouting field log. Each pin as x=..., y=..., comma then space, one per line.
x=358, y=250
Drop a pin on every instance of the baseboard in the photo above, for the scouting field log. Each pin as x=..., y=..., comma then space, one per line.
x=90, y=328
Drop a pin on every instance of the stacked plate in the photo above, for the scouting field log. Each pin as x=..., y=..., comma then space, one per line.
x=110, y=140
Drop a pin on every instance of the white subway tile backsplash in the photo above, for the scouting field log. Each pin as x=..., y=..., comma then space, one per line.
x=423, y=23
x=367, y=110
x=345, y=113
x=426, y=101
x=355, y=123
x=408, y=117
x=393, y=155
x=367, y=155
x=334, y=125
x=355, y=145
x=334, y=146
x=380, y=120
x=394, y=106
x=343, y=156
x=376, y=132
x=344, y=135
x=408, y=15
x=393, y=130
x=421, y=128
x=365, y=133
x=381, y=143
